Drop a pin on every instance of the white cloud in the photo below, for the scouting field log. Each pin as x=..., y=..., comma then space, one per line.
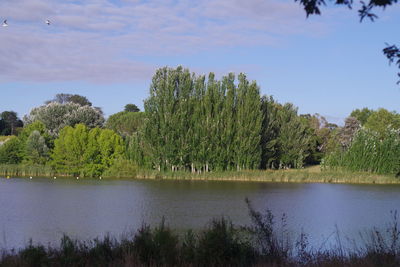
x=98, y=40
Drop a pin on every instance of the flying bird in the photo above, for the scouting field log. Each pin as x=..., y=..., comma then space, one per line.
x=5, y=23
x=47, y=22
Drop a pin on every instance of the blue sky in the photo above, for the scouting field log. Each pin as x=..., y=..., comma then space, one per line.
x=108, y=51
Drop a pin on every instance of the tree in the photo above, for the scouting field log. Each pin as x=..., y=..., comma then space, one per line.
x=362, y=115
x=9, y=123
x=382, y=120
x=11, y=151
x=56, y=116
x=392, y=52
x=131, y=108
x=125, y=123
x=36, y=148
x=69, y=149
x=249, y=120
x=293, y=139
x=196, y=125
x=269, y=133
x=348, y=132
x=69, y=98
x=81, y=151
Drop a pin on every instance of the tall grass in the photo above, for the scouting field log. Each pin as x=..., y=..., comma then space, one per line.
x=127, y=170
x=21, y=170
x=368, y=152
x=307, y=175
x=4, y=138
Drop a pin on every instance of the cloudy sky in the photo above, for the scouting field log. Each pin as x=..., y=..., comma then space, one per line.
x=108, y=51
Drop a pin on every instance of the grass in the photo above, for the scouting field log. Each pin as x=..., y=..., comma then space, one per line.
x=220, y=243
x=312, y=174
x=4, y=138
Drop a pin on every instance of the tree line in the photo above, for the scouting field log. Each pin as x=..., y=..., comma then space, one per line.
x=196, y=123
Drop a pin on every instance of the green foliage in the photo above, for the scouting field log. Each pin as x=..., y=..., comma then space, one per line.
x=131, y=108
x=269, y=133
x=382, y=120
x=369, y=152
x=293, y=139
x=200, y=126
x=158, y=247
x=34, y=255
x=69, y=149
x=80, y=151
x=137, y=150
x=362, y=115
x=9, y=122
x=69, y=98
x=125, y=123
x=11, y=152
x=122, y=168
x=221, y=244
x=36, y=148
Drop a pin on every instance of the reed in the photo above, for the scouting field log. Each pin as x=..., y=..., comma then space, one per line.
x=312, y=174
x=369, y=152
x=22, y=170
x=126, y=170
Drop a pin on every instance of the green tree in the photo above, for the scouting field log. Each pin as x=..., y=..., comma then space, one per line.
x=69, y=149
x=11, y=152
x=293, y=138
x=81, y=151
x=36, y=148
x=69, y=98
x=248, y=124
x=125, y=123
x=382, y=120
x=9, y=121
x=362, y=115
x=131, y=108
x=269, y=133
x=193, y=124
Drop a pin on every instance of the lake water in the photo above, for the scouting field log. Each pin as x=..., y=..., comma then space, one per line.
x=44, y=209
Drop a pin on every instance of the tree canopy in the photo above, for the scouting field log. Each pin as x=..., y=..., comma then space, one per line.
x=131, y=108
x=9, y=122
x=56, y=116
x=69, y=98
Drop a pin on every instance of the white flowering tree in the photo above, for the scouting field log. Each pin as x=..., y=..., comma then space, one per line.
x=56, y=116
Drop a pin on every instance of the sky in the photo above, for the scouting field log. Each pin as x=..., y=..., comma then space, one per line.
x=108, y=50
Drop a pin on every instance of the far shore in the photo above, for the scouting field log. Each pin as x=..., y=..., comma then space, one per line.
x=312, y=174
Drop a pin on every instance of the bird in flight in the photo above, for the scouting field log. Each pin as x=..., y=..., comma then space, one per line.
x=47, y=22
x=5, y=23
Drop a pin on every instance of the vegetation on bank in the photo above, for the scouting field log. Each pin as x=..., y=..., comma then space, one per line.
x=199, y=127
x=124, y=169
x=220, y=243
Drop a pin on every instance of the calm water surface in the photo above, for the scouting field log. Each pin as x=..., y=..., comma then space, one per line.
x=44, y=209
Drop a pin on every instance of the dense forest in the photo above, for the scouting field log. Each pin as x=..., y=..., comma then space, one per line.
x=196, y=124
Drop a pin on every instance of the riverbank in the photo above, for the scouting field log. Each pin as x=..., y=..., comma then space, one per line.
x=312, y=174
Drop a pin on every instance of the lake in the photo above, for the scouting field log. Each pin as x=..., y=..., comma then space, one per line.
x=43, y=209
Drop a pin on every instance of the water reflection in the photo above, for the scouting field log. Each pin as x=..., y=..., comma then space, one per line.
x=44, y=209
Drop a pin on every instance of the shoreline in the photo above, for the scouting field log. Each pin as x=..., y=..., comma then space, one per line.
x=311, y=174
